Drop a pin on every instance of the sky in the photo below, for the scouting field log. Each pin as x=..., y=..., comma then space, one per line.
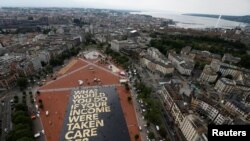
x=226, y=7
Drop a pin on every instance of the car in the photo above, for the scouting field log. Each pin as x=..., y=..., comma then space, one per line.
x=140, y=128
x=37, y=135
x=33, y=117
x=12, y=101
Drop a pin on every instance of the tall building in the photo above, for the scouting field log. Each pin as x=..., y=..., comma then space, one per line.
x=193, y=128
x=208, y=75
x=225, y=85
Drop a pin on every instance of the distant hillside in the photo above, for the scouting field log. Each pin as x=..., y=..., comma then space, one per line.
x=244, y=19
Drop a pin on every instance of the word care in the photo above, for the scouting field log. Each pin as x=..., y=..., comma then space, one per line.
x=83, y=120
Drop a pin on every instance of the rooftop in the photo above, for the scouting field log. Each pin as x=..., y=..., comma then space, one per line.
x=228, y=81
x=56, y=95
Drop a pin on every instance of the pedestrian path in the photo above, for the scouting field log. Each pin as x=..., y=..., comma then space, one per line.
x=78, y=88
x=67, y=67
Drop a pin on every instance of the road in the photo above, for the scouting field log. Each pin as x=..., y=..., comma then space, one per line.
x=37, y=123
x=152, y=80
x=6, y=112
x=141, y=122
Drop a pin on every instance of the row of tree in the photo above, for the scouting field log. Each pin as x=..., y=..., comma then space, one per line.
x=165, y=42
x=58, y=60
x=118, y=58
x=22, y=125
x=153, y=112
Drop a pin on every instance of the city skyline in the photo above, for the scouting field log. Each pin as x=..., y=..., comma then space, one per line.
x=225, y=7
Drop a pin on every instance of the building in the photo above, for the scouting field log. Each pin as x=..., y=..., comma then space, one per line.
x=211, y=111
x=184, y=67
x=117, y=45
x=226, y=69
x=193, y=128
x=25, y=69
x=186, y=50
x=225, y=85
x=156, y=66
x=232, y=107
x=208, y=75
x=157, y=55
x=174, y=103
x=204, y=56
x=8, y=80
x=229, y=58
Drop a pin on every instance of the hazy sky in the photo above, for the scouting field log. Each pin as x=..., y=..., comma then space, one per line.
x=233, y=7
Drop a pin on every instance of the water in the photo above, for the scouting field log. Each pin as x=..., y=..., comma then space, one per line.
x=185, y=21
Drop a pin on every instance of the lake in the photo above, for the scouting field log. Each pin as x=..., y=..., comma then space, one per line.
x=185, y=21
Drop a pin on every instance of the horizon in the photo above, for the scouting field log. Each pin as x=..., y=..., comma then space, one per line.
x=222, y=7
x=129, y=10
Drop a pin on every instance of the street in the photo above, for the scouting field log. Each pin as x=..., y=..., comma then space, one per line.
x=152, y=80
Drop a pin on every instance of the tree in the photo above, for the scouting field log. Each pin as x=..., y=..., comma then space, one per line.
x=43, y=63
x=127, y=86
x=136, y=137
x=22, y=130
x=15, y=99
x=151, y=135
x=22, y=119
x=41, y=106
x=23, y=133
x=129, y=98
x=49, y=69
x=20, y=126
x=46, y=31
x=22, y=82
x=245, y=61
x=26, y=139
x=21, y=107
x=162, y=132
x=18, y=113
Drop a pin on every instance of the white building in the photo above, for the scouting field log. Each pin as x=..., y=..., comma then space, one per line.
x=156, y=66
x=235, y=109
x=174, y=104
x=213, y=111
x=208, y=75
x=184, y=67
x=225, y=85
x=193, y=128
x=225, y=69
x=117, y=45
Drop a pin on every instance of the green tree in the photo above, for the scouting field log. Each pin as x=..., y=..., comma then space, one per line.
x=151, y=135
x=18, y=113
x=162, y=132
x=26, y=139
x=245, y=61
x=137, y=137
x=15, y=99
x=127, y=86
x=43, y=63
x=23, y=133
x=21, y=107
x=49, y=69
x=22, y=119
x=22, y=82
x=129, y=98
